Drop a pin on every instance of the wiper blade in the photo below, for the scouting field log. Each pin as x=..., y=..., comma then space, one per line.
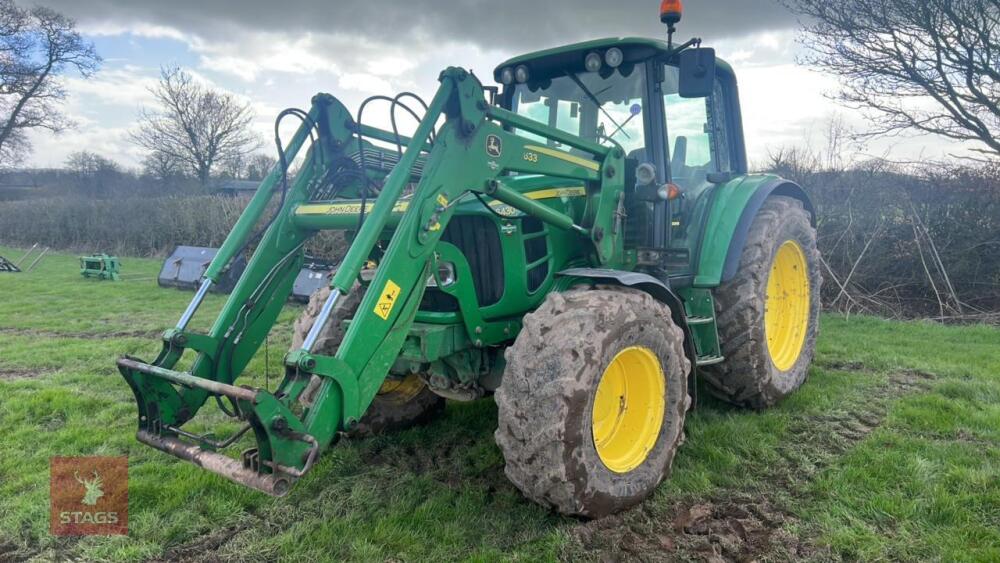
x=597, y=103
x=622, y=127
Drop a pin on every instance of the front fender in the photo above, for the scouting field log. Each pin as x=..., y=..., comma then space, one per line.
x=644, y=282
x=660, y=291
x=734, y=206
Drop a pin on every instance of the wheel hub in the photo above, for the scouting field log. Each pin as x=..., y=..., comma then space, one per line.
x=628, y=409
x=786, y=310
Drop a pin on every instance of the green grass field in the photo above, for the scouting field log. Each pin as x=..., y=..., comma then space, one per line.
x=891, y=451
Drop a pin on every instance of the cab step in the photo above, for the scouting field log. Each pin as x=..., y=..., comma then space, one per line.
x=699, y=304
x=710, y=360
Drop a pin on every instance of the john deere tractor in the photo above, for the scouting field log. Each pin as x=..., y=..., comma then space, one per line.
x=580, y=244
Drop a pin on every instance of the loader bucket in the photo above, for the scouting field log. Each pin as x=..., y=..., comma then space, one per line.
x=186, y=266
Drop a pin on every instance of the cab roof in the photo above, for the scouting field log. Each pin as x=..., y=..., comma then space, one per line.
x=571, y=57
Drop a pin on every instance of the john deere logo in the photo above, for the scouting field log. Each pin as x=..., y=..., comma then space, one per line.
x=89, y=496
x=494, y=146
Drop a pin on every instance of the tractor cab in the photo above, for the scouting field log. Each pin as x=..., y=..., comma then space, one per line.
x=677, y=121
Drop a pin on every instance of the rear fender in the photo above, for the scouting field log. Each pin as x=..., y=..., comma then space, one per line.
x=733, y=209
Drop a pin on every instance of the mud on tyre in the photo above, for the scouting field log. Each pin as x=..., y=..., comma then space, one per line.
x=593, y=400
x=768, y=314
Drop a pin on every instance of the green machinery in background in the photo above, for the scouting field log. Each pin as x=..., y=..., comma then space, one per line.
x=101, y=267
x=579, y=244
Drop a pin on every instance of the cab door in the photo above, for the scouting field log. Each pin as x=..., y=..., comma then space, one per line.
x=699, y=148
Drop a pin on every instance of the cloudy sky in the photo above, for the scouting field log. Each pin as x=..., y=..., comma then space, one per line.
x=278, y=54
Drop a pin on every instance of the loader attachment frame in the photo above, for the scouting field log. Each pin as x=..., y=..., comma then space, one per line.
x=471, y=154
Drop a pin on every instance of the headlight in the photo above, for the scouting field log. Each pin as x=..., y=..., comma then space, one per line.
x=507, y=76
x=645, y=174
x=614, y=57
x=521, y=74
x=444, y=276
x=593, y=62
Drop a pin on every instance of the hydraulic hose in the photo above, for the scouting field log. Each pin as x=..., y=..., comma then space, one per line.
x=394, y=103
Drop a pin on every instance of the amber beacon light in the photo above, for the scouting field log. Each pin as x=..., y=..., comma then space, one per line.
x=671, y=11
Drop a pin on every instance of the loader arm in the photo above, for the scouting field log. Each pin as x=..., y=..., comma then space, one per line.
x=471, y=154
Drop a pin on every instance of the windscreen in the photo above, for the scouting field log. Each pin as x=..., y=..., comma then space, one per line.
x=604, y=109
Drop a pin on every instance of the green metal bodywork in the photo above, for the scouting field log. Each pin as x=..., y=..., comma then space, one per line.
x=475, y=164
x=100, y=266
x=636, y=48
x=732, y=204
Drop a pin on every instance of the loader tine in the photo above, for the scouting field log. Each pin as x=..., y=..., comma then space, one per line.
x=275, y=485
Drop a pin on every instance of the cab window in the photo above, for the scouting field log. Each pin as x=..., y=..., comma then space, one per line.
x=696, y=133
x=605, y=109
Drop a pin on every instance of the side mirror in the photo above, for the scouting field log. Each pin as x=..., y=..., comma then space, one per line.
x=492, y=93
x=697, y=73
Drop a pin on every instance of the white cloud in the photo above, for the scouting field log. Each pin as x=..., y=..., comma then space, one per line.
x=273, y=68
x=108, y=28
x=51, y=150
x=125, y=86
x=363, y=82
x=392, y=65
x=250, y=56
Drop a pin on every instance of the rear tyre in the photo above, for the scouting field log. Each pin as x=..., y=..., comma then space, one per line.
x=768, y=314
x=400, y=403
x=593, y=399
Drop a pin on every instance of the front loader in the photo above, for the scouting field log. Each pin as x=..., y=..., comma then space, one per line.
x=580, y=245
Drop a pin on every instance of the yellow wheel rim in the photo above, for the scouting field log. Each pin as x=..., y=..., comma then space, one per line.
x=786, y=311
x=628, y=409
x=401, y=391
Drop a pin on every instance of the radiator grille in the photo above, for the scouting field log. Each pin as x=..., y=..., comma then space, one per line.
x=478, y=239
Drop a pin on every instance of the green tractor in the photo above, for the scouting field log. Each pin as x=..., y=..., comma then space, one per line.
x=580, y=244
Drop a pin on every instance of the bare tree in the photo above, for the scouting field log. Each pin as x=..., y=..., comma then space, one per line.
x=162, y=167
x=915, y=65
x=259, y=166
x=197, y=126
x=795, y=163
x=837, y=135
x=37, y=47
x=233, y=167
x=92, y=173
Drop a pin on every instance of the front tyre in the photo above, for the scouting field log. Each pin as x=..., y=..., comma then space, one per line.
x=768, y=314
x=592, y=404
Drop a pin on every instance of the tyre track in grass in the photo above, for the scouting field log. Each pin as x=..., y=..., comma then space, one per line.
x=13, y=374
x=205, y=547
x=735, y=524
x=751, y=524
x=445, y=461
x=51, y=334
x=61, y=549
